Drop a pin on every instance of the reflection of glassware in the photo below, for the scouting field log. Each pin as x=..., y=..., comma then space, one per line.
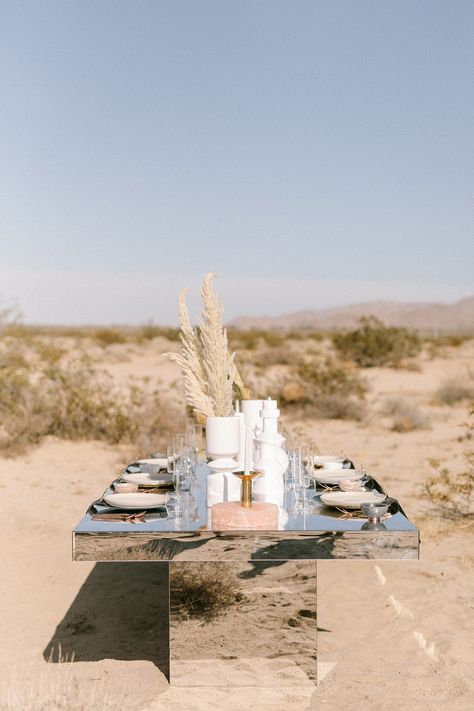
x=194, y=437
x=375, y=513
x=170, y=459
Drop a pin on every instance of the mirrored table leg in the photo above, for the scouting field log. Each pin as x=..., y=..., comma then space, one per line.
x=243, y=623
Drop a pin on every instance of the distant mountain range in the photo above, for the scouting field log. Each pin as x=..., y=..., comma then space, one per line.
x=421, y=316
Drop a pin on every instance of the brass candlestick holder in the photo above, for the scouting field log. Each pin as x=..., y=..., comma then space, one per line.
x=246, y=494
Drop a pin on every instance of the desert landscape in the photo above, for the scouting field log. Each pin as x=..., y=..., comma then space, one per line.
x=79, y=404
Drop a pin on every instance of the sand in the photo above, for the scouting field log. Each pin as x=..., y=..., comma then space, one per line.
x=393, y=635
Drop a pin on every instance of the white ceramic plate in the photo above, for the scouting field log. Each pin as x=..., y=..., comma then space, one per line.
x=159, y=461
x=335, y=462
x=147, y=479
x=136, y=501
x=334, y=477
x=351, y=499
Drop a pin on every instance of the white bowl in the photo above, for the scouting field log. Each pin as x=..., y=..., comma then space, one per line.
x=350, y=485
x=125, y=487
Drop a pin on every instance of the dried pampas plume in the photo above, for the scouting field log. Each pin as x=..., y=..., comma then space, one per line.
x=208, y=369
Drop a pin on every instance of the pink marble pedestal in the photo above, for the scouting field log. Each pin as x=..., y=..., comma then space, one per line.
x=232, y=515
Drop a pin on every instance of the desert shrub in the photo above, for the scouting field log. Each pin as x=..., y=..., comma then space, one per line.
x=203, y=591
x=244, y=339
x=454, y=390
x=453, y=494
x=273, y=338
x=453, y=340
x=268, y=357
x=151, y=330
x=301, y=334
x=326, y=388
x=328, y=377
x=48, y=351
x=108, y=336
x=374, y=344
x=406, y=415
x=76, y=401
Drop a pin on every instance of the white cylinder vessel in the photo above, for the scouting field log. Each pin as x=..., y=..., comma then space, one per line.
x=222, y=436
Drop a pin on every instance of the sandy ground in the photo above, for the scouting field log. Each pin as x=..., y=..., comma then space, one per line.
x=392, y=635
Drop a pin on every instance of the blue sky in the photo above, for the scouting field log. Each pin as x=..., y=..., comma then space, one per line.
x=313, y=154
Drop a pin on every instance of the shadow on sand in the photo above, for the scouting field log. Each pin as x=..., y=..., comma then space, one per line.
x=121, y=612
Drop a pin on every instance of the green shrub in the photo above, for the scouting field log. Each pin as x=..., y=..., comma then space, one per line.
x=374, y=344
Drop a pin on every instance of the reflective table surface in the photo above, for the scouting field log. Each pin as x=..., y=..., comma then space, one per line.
x=307, y=531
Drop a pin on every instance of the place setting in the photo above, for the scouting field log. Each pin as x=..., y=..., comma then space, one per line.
x=153, y=488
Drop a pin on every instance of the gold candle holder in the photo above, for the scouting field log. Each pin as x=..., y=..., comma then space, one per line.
x=246, y=494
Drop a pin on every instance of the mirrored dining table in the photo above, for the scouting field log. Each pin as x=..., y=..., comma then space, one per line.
x=269, y=622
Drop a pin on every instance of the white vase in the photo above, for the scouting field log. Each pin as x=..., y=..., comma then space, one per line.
x=222, y=436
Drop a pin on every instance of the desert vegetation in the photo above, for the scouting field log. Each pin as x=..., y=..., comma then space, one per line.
x=68, y=382
x=55, y=389
x=203, y=592
x=452, y=493
x=373, y=344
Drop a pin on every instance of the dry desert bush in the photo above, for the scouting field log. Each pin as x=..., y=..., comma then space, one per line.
x=203, y=591
x=453, y=493
x=455, y=389
x=43, y=393
x=407, y=416
x=323, y=387
x=374, y=344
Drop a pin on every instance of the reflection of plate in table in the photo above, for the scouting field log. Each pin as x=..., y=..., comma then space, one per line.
x=147, y=479
x=351, y=499
x=324, y=476
x=136, y=501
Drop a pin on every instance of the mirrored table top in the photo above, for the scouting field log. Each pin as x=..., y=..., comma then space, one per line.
x=311, y=518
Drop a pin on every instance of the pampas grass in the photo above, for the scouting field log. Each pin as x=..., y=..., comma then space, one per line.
x=207, y=367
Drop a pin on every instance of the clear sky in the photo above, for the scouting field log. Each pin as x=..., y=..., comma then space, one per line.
x=313, y=154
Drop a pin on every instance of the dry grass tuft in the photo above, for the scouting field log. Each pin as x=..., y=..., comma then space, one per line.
x=57, y=689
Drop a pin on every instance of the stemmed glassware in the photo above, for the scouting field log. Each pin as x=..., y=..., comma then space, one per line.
x=193, y=438
x=181, y=462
